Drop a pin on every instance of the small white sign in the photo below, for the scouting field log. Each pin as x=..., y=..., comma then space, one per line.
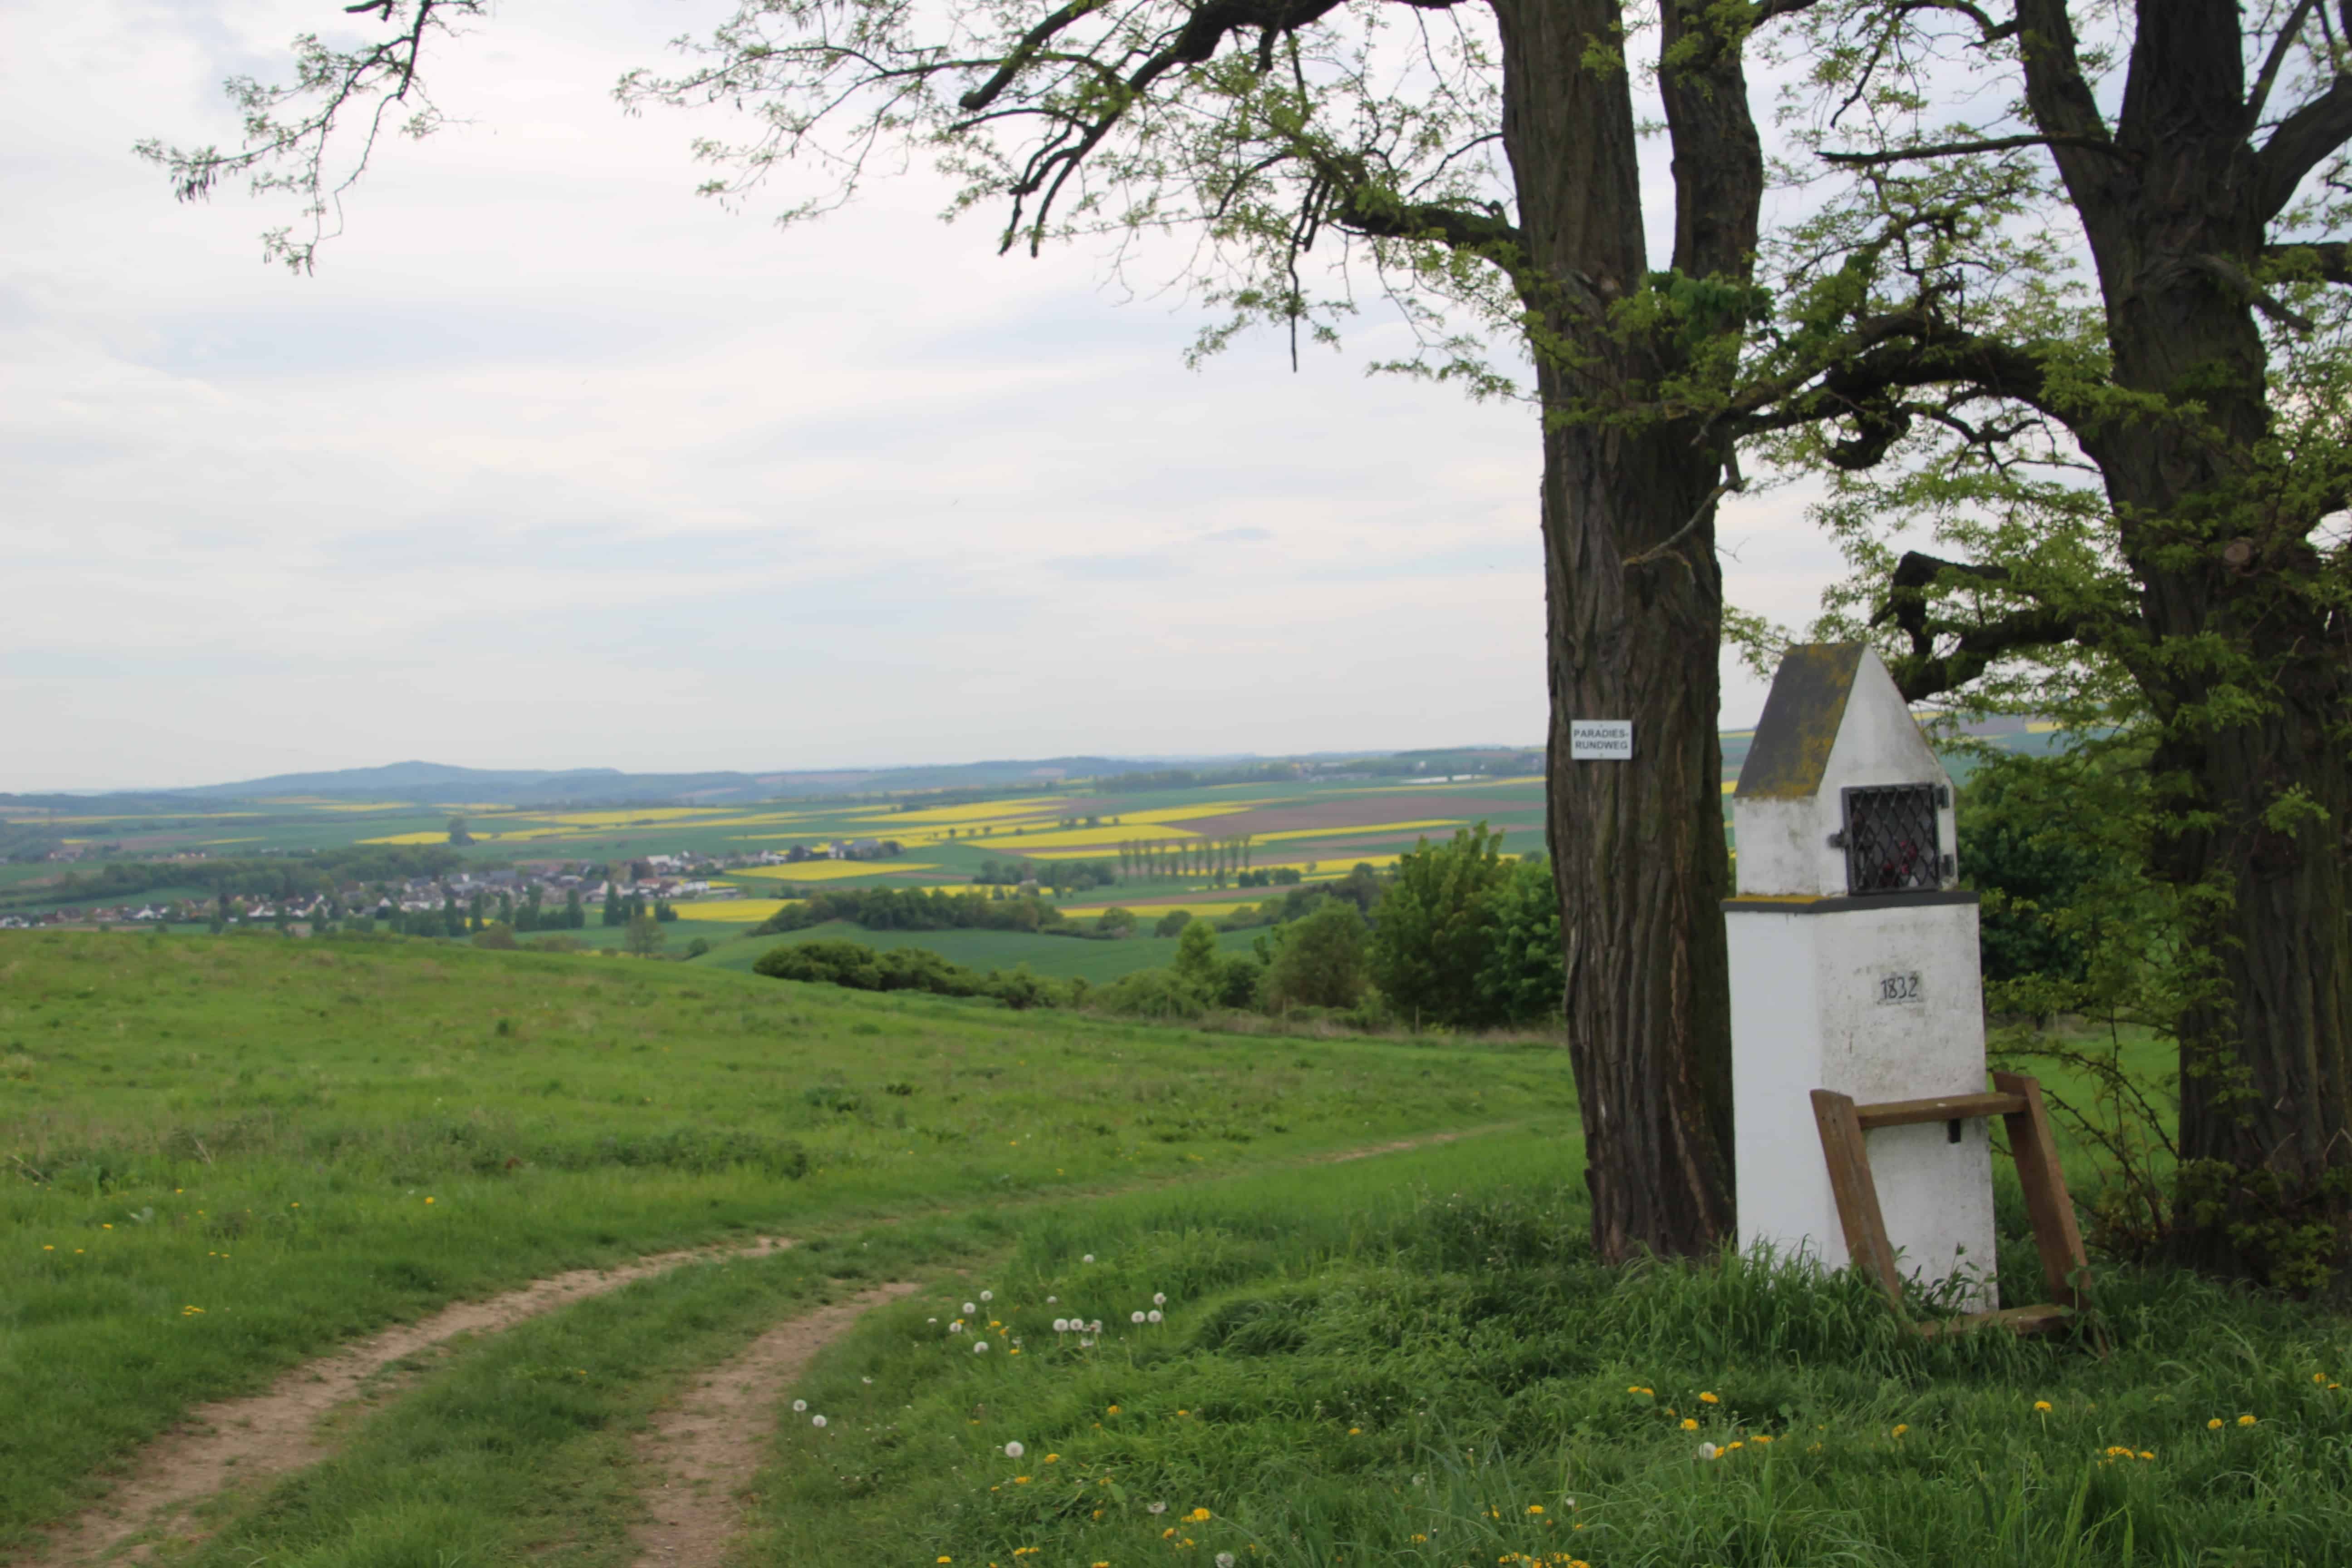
x=1899, y=990
x=1601, y=740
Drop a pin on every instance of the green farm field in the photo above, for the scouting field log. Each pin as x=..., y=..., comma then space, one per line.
x=1381, y=1336
x=1056, y=957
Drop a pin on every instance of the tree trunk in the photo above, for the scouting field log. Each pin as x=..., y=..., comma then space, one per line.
x=1637, y=847
x=2217, y=540
x=1634, y=603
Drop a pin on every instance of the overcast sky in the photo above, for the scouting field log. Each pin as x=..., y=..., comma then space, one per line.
x=554, y=463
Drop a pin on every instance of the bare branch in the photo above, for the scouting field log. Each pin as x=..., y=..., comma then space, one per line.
x=2303, y=140
x=2273, y=62
x=1962, y=149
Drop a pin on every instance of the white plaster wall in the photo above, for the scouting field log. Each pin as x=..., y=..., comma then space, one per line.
x=1784, y=844
x=1777, y=840
x=1806, y=1014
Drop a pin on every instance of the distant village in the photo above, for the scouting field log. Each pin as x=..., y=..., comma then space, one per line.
x=536, y=895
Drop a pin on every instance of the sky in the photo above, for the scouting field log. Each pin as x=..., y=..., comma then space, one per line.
x=553, y=463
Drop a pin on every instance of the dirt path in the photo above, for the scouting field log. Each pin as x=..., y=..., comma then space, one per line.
x=234, y=1442
x=1400, y=1146
x=703, y=1451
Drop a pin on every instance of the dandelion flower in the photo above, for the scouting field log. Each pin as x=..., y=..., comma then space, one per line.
x=970, y=1307
x=799, y=1405
x=1053, y=1458
x=817, y=1421
x=1535, y=1507
x=1689, y=1425
x=1013, y=1450
x=947, y=1558
x=2041, y=1405
x=1020, y=1480
x=955, y=1327
x=428, y=1200
x=988, y=1295
x=1160, y=1297
x=2214, y=1425
x=1708, y=1399
x=2245, y=1420
x=1113, y=1410
x=1153, y=1315
x=1355, y=1431
x=1708, y=1451
x=1061, y=1325
x=1134, y=1316
x=979, y=1347
x=1900, y=1427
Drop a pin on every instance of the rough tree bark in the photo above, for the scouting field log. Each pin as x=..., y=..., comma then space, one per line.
x=2266, y=1066
x=1635, y=605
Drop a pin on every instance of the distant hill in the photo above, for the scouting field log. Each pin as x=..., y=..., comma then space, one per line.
x=425, y=781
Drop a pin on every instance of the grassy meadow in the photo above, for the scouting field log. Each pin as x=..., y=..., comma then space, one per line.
x=306, y=1140
x=226, y=1155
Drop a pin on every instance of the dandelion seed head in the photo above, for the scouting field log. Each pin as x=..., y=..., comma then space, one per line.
x=988, y=1295
x=1134, y=1316
x=817, y=1421
x=1013, y=1450
x=1152, y=1315
x=1708, y=1450
x=1160, y=1297
x=979, y=1347
x=799, y=1405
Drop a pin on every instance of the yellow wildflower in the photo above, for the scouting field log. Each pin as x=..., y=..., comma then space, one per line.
x=1689, y=1425
x=1708, y=1399
x=2041, y=1405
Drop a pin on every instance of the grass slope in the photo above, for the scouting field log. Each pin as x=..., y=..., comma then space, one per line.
x=307, y=1140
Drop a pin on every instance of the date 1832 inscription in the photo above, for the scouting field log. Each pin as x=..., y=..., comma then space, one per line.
x=1899, y=990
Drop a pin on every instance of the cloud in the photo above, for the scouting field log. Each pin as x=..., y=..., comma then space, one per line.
x=553, y=464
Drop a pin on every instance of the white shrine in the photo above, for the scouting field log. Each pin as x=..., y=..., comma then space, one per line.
x=1855, y=970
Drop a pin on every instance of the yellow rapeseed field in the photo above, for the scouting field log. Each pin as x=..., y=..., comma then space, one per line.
x=1059, y=838
x=1028, y=805
x=1422, y=824
x=828, y=870
x=736, y=910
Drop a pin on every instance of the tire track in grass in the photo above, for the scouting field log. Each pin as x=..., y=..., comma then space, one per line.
x=235, y=1442
x=703, y=1451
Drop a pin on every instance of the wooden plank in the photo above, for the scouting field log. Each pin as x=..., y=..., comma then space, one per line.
x=2035, y=1319
x=1856, y=1193
x=2055, y=1235
x=1944, y=1108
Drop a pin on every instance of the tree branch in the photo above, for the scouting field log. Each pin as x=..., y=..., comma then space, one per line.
x=1925, y=673
x=2332, y=257
x=2273, y=62
x=1959, y=149
x=2303, y=140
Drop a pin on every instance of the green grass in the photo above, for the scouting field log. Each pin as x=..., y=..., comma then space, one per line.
x=1057, y=957
x=1401, y=1363
x=1384, y=1363
x=254, y=1125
